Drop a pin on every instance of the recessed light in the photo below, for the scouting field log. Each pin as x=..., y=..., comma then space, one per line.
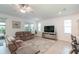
x=60, y=12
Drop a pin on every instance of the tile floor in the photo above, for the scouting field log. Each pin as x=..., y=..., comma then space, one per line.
x=48, y=46
x=4, y=49
x=58, y=47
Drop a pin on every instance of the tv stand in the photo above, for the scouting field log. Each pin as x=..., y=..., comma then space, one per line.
x=49, y=35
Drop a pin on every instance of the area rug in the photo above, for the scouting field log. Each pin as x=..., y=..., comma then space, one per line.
x=40, y=43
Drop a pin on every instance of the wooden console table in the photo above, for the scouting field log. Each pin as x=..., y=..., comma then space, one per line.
x=49, y=35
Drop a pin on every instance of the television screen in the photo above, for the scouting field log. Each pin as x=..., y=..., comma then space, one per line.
x=48, y=28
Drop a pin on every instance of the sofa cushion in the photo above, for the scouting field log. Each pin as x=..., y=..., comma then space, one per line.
x=18, y=43
x=12, y=48
x=15, y=45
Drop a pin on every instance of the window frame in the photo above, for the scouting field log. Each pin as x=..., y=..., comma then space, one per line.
x=67, y=27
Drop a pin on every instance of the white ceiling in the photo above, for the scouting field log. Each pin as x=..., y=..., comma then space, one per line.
x=42, y=11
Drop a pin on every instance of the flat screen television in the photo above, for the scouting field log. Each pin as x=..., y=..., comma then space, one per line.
x=48, y=28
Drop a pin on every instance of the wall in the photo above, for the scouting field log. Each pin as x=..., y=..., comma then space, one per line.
x=39, y=33
x=58, y=22
x=11, y=31
x=59, y=26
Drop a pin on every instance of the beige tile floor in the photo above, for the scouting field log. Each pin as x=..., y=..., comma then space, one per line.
x=47, y=46
x=58, y=47
x=4, y=49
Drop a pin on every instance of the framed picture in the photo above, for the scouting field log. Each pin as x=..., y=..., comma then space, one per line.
x=16, y=24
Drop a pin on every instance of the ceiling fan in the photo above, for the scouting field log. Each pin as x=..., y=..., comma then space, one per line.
x=24, y=8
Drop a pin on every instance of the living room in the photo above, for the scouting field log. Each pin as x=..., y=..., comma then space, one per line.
x=61, y=20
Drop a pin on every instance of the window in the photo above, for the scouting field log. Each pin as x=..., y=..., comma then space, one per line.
x=26, y=26
x=32, y=27
x=67, y=26
x=39, y=27
x=2, y=27
x=29, y=27
x=1, y=23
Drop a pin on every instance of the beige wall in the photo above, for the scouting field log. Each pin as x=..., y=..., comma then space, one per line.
x=59, y=25
x=58, y=22
x=11, y=31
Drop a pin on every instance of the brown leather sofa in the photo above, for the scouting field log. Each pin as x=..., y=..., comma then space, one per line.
x=19, y=36
x=14, y=45
x=17, y=47
x=17, y=43
x=24, y=35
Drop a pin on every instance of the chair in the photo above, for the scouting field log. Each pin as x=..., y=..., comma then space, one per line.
x=75, y=45
x=74, y=39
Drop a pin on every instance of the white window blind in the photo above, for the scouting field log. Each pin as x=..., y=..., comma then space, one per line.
x=67, y=26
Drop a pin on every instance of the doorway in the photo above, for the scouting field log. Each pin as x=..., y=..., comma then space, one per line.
x=2, y=33
x=2, y=30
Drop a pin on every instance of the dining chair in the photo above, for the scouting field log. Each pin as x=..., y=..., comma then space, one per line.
x=75, y=45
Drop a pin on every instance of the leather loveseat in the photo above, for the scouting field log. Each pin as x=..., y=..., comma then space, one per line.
x=24, y=35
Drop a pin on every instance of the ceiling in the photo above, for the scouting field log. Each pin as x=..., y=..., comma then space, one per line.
x=40, y=11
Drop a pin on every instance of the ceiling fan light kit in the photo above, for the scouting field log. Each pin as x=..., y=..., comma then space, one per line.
x=24, y=8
